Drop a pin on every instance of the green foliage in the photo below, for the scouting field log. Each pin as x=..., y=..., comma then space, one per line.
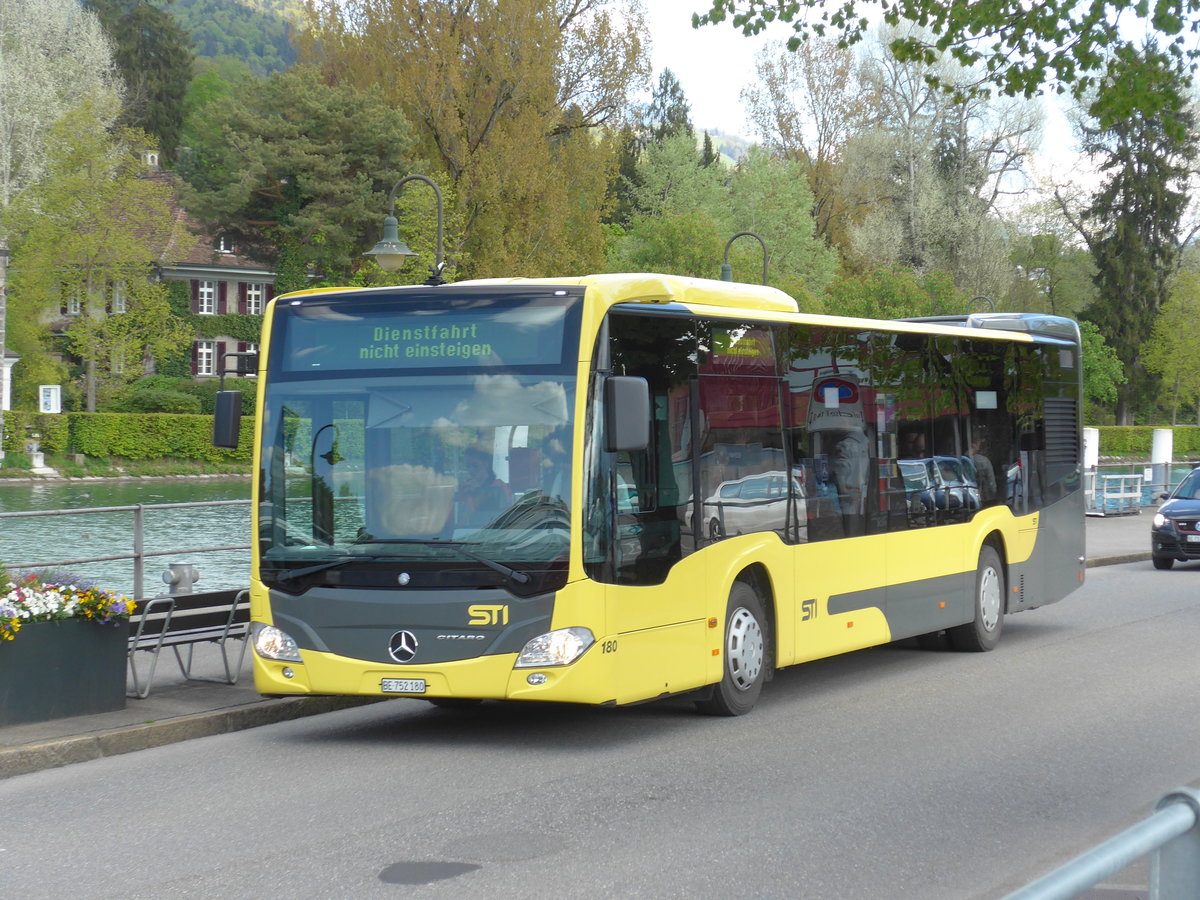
x=53, y=431
x=669, y=113
x=292, y=161
x=1102, y=368
x=1170, y=352
x=1133, y=221
x=674, y=244
x=158, y=402
x=88, y=231
x=153, y=435
x=770, y=197
x=1053, y=276
x=155, y=59
x=894, y=294
x=186, y=395
x=254, y=31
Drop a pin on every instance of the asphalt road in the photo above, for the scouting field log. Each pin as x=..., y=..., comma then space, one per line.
x=891, y=773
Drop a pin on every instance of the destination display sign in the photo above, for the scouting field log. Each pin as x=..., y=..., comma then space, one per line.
x=509, y=335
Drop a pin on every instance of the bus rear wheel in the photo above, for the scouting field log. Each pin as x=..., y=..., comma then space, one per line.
x=747, y=655
x=984, y=632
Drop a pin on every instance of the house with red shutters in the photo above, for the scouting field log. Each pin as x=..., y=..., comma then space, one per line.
x=220, y=282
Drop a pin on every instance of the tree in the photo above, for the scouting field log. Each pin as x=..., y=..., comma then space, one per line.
x=807, y=106
x=1103, y=371
x=770, y=197
x=940, y=165
x=1132, y=225
x=672, y=180
x=669, y=113
x=1022, y=46
x=52, y=52
x=89, y=234
x=894, y=294
x=496, y=91
x=154, y=56
x=1052, y=275
x=292, y=161
x=1170, y=352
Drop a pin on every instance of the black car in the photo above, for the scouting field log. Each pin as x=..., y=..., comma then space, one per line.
x=1175, y=534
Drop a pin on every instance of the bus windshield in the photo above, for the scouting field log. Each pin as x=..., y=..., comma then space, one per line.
x=463, y=466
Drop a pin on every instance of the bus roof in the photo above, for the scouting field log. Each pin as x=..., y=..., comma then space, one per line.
x=708, y=295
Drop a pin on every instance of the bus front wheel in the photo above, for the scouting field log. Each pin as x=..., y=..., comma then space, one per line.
x=747, y=657
x=984, y=632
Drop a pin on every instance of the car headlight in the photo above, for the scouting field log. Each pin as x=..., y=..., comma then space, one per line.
x=273, y=643
x=555, y=648
x=1159, y=520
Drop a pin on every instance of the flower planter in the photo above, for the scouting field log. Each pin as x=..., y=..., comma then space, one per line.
x=53, y=670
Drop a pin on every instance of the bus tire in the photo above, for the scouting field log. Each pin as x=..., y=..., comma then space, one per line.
x=746, y=649
x=983, y=633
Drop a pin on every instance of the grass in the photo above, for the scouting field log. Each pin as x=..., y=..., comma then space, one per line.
x=17, y=465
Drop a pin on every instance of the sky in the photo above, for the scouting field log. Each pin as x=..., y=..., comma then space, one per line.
x=712, y=63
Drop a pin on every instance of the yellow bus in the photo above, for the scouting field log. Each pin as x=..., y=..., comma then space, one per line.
x=614, y=488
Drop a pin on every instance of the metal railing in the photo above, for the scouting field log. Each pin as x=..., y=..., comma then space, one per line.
x=139, y=554
x=1172, y=835
x=1124, y=488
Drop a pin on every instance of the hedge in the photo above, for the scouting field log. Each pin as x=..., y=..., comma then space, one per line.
x=1137, y=440
x=129, y=435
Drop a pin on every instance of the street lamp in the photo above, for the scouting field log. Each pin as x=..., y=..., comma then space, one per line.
x=727, y=269
x=391, y=253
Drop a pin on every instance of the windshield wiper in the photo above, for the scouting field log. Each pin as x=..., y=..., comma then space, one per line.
x=458, y=546
x=319, y=567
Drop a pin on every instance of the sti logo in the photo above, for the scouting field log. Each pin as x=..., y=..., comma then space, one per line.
x=837, y=391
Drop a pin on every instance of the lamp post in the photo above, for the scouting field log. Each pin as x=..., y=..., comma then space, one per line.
x=727, y=269
x=987, y=300
x=391, y=252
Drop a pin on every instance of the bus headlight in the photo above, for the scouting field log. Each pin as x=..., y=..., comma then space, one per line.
x=271, y=643
x=555, y=648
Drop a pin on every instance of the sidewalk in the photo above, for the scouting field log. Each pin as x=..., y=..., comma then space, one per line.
x=178, y=710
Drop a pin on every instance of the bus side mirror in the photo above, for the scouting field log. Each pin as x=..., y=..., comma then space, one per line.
x=227, y=419
x=626, y=413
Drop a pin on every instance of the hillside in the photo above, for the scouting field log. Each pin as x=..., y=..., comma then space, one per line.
x=257, y=32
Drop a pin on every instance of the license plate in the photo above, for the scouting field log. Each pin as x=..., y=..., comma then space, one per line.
x=1193, y=538
x=403, y=686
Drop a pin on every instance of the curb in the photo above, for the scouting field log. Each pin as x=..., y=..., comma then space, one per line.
x=26, y=758
x=1117, y=560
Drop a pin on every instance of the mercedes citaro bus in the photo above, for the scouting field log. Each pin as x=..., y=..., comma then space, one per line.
x=613, y=488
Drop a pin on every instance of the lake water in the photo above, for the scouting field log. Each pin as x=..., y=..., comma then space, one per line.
x=79, y=536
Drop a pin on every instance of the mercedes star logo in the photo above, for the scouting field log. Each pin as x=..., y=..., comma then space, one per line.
x=403, y=646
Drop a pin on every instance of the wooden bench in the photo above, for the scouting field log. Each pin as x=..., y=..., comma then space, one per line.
x=183, y=622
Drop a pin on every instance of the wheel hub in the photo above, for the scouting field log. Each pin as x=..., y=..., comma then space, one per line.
x=744, y=654
x=989, y=599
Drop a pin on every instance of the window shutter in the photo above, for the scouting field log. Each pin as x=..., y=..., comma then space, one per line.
x=270, y=294
x=195, y=355
x=195, y=309
x=222, y=301
x=242, y=297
